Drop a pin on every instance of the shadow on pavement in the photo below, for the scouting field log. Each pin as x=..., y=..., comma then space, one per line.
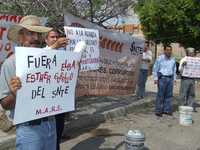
x=98, y=138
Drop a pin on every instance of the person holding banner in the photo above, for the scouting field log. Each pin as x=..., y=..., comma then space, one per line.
x=38, y=134
x=187, y=87
x=164, y=73
x=53, y=41
x=143, y=74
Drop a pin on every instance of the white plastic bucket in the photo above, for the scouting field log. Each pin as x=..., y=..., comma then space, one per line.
x=185, y=115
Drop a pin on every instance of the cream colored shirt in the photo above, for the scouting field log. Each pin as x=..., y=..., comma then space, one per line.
x=146, y=60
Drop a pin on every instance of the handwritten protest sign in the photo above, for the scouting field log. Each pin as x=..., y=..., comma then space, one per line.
x=112, y=77
x=192, y=69
x=90, y=57
x=48, y=82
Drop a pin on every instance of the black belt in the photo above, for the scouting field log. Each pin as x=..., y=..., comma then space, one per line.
x=38, y=121
x=185, y=78
x=160, y=75
x=167, y=76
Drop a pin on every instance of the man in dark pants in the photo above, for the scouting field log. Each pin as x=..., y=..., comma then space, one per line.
x=164, y=74
x=143, y=74
x=60, y=123
x=54, y=42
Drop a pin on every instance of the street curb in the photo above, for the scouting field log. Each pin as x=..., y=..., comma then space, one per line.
x=94, y=120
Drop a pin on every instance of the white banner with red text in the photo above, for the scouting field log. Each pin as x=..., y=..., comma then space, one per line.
x=112, y=77
x=90, y=55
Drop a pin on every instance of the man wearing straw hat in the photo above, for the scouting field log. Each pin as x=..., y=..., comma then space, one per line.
x=38, y=134
x=187, y=87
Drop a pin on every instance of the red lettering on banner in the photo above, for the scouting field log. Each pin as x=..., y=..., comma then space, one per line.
x=108, y=42
x=2, y=30
x=105, y=42
x=120, y=47
x=11, y=18
x=111, y=45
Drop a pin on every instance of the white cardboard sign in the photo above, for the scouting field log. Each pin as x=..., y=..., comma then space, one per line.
x=192, y=69
x=48, y=82
x=90, y=56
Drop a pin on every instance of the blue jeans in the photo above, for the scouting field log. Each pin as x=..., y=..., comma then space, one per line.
x=36, y=137
x=140, y=92
x=164, y=95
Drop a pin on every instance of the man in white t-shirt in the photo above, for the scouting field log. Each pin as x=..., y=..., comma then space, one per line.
x=143, y=74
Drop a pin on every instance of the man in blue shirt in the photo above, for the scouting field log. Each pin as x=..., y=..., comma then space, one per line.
x=164, y=73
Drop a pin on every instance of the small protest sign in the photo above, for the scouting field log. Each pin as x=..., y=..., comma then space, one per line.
x=192, y=69
x=90, y=56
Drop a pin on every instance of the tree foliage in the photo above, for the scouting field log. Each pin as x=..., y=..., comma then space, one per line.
x=169, y=21
x=96, y=11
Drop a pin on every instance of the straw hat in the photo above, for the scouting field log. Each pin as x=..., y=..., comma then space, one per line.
x=31, y=23
x=190, y=50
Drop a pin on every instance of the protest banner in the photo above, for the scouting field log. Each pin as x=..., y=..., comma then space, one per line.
x=6, y=46
x=90, y=56
x=112, y=77
x=192, y=68
x=48, y=82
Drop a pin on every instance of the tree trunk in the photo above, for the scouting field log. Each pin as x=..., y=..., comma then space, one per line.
x=91, y=11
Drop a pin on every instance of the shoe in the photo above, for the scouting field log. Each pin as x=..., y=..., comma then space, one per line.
x=168, y=113
x=194, y=110
x=158, y=114
x=140, y=97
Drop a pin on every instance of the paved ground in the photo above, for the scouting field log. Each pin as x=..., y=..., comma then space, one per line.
x=161, y=134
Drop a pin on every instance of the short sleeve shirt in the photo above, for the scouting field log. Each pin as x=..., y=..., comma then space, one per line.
x=7, y=72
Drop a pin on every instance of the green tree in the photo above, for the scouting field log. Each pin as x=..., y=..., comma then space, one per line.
x=166, y=21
